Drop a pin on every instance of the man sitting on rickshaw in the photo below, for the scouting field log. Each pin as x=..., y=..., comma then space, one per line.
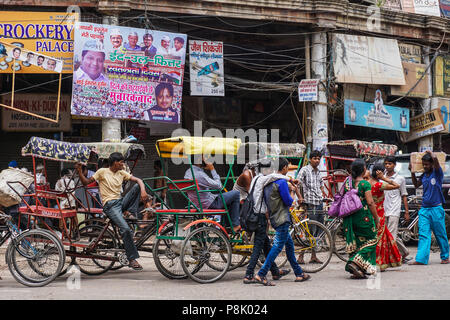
x=208, y=199
x=110, y=185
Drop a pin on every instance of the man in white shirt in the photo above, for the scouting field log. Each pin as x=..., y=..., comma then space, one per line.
x=92, y=62
x=393, y=204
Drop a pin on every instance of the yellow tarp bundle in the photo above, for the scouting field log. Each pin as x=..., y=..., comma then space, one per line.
x=185, y=145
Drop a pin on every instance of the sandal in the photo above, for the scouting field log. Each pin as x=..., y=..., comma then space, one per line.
x=357, y=273
x=446, y=261
x=281, y=274
x=248, y=280
x=304, y=277
x=264, y=281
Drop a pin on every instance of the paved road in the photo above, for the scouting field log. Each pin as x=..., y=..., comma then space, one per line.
x=407, y=282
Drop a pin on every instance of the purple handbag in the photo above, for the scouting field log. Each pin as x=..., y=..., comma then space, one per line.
x=345, y=203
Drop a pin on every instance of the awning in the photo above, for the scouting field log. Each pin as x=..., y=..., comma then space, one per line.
x=358, y=148
x=130, y=151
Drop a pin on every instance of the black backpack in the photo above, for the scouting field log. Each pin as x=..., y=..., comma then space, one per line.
x=249, y=219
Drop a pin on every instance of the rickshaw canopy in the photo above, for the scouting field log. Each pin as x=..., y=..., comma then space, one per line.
x=130, y=151
x=58, y=150
x=184, y=145
x=272, y=150
x=358, y=148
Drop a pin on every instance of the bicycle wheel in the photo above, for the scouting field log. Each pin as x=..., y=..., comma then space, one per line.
x=313, y=238
x=166, y=254
x=280, y=260
x=206, y=255
x=107, y=247
x=43, y=261
x=238, y=255
x=339, y=242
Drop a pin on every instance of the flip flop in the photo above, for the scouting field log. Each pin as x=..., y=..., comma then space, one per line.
x=282, y=274
x=249, y=280
x=446, y=261
x=356, y=271
x=265, y=282
x=305, y=277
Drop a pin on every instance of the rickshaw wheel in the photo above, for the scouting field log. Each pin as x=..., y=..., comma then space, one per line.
x=166, y=254
x=107, y=246
x=238, y=259
x=206, y=255
x=43, y=261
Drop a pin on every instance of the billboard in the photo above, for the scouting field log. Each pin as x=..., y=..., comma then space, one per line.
x=424, y=125
x=376, y=115
x=206, y=68
x=127, y=73
x=369, y=60
x=46, y=34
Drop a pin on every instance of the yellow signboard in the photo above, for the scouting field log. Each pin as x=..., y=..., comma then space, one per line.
x=49, y=34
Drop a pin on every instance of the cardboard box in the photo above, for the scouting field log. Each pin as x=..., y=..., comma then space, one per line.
x=416, y=160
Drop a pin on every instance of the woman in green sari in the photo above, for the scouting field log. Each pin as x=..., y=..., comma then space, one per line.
x=361, y=227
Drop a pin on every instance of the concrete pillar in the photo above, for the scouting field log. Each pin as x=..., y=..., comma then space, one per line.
x=319, y=111
x=111, y=130
x=426, y=143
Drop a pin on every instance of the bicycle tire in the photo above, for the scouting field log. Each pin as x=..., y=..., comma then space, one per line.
x=237, y=259
x=339, y=242
x=107, y=245
x=203, y=247
x=47, y=249
x=323, y=244
x=164, y=251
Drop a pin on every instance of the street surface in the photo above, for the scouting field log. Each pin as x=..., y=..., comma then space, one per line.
x=332, y=283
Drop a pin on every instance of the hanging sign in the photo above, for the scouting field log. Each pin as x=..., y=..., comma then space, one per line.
x=308, y=90
x=425, y=125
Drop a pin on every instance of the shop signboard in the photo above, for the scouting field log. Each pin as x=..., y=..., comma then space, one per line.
x=369, y=60
x=39, y=104
x=425, y=125
x=426, y=7
x=376, y=115
x=413, y=76
x=444, y=106
x=410, y=52
x=308, y=90
x=46, y=34
x=442, y=76
x=206, y=68
x=445, y=8
x=127, y=73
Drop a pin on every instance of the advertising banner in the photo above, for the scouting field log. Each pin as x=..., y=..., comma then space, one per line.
x=425, y=125
x=426, y=7
x=46, y=34
x=413, y=73
x=444, y=106
x=376, y=115
x=369, y=60
x=40, y=104
x=410, y=53
x=442, y=76
x=445, y=8
x=128, y=73
x=206, y=68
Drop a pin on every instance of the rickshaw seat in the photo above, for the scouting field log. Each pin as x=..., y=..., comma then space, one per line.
x=182, y=184
x=48, y=212
x=90, y=210
x=206, y=211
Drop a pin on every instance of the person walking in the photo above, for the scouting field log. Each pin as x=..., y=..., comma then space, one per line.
x=393, y=204
x=244, y=181
x=110, y=185
x=388, y=255
x=278, y=202
x=361, y=227
x=313, y=194
x=432, y=214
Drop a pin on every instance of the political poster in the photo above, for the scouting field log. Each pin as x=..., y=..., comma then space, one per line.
x=376, y=115
x=45, y=37
x=206, y=68
x=128, y=73
x=445, y=8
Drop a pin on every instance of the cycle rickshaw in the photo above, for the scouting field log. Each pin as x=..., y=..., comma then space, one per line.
x=340, y=156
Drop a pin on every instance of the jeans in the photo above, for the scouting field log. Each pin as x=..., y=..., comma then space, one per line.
x=261, y=243
x=312, y=215
x=432, y=219
x=114, y=210
x=282, y=238
x=231, y=199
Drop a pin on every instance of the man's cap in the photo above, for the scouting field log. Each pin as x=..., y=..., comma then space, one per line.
x=94, y=45
x=115, y=32
x=133, y=33
x=165, y=38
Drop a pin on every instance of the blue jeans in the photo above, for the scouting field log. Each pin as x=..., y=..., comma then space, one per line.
x=282, y=238
x=231, y=199
x=261, y=243
x=114, y=210
x=312, y=215
x=432, y=219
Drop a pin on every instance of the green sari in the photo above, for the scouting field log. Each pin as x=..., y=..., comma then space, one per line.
x=361, y=234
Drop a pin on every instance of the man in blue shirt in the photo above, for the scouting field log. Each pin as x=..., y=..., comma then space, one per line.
x=278, y=201
x=432, y=214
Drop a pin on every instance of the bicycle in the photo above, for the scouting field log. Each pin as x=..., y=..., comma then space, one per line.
x=34, y=257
